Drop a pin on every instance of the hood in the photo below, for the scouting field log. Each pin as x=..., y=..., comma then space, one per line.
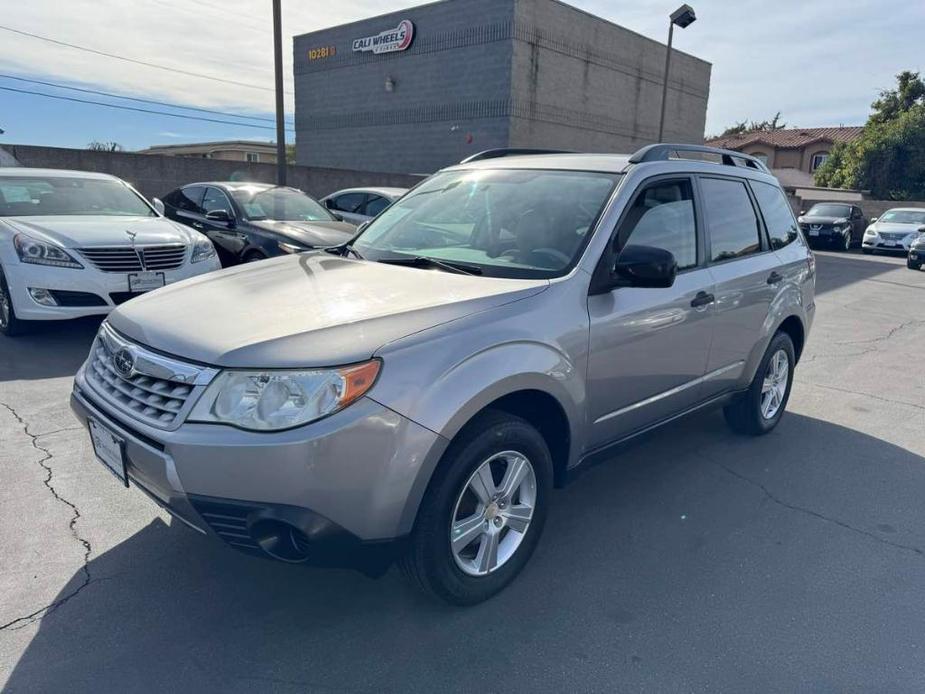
x=303, y=310
x=816, y=219
x=311, y=234
x=893, y=228
x=81, y=231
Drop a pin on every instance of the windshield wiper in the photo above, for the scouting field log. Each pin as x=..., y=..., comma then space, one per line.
x=426, y=261
x=345, y=249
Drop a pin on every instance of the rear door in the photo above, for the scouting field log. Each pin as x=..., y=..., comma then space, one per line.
x=649, y=347
x=350, y=206
x=746, y=274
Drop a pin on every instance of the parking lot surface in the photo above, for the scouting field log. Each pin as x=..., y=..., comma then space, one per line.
x=695, y=561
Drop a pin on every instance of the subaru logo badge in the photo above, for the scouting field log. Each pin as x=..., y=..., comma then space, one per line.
x=123, y=362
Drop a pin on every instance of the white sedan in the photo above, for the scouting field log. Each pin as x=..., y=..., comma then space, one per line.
x=76, y=244
x=894, y=230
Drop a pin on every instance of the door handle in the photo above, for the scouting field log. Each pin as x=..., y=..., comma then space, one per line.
x=702, y=299
x=775, y=277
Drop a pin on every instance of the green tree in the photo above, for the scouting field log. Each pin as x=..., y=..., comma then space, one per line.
x=889, y=157
x=105, y=146
x=746, y=126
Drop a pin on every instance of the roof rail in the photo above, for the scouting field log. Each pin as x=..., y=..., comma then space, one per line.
x=663, y=152
x=509, y=152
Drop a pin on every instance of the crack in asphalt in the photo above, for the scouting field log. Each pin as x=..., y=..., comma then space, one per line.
x=810, y=512
x=21, y=622
x=847, y=391
x=881, y=338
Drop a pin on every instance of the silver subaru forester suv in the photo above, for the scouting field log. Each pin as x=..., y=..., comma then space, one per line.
x=416, y=394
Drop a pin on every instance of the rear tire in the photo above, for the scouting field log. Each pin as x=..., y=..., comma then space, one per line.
x=474, y=571
x=10, y=325
x=760, y=408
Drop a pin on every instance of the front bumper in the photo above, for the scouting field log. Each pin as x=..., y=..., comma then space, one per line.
x=342, y=491
x=879, y=244
x=110, y=288
x=824, y=235
x=917, y=255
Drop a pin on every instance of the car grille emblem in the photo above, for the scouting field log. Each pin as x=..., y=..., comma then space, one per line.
x=123, y=362
x=815, y=227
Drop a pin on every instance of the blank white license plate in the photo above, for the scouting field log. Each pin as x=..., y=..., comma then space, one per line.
x=889, y=244
x=109, y=449
x=145, y=281
x=814, y=232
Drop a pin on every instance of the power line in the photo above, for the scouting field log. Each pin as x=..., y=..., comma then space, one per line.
x=135, y=61
x=138, y=99
x=139, y=110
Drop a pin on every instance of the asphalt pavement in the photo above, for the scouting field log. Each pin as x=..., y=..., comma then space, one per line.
x=696, y=561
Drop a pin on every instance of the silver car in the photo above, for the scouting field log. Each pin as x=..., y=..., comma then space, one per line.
x=418, y=393
x=358, y=205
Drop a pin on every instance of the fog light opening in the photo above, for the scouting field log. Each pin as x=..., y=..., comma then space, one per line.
x=42, y=297
x=280, y=540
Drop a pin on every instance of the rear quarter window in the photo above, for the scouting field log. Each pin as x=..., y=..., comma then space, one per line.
x=777, y=213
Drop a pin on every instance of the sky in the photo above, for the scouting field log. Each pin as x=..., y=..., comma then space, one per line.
x=818, y=62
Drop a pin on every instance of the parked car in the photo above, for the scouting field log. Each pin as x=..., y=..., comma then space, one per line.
x=254, y=221
x=418, y=392
x=894, y=230
x=359, y=205
x=836, y=224
x=917, y=251
x=77, y=244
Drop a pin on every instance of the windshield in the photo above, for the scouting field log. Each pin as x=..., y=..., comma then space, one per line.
x=30, y=196
x=903, y=217
x=830, y=211
x=505, y=222
x=280, y=204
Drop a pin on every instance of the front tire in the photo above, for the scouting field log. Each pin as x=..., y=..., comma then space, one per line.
x=912, y=264
x=867, y=251
x=10, y=325
x=760, y=408
x=484, y=511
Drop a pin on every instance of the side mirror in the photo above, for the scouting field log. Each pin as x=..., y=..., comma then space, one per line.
x=802, y=212
x=921, y=229
x=645, y=266
x=158, y=205
x=873, y=219
x=219, y=216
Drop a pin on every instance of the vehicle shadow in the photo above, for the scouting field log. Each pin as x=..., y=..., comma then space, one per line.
x=836, y=270
x=693, y=548
x=49, y=350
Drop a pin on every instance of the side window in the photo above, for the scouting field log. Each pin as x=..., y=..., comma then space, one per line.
x=191, y=199
x=777, y=213
x=216, y=200
x=375, y=205
x=349, y=202
x=730, y=218
x=662, y=215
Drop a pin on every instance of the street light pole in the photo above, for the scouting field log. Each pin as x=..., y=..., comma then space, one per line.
x=661, y=118
x=683, y=16
x=280, y=120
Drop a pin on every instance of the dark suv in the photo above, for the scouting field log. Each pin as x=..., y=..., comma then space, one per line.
x=836, y=224
x=253, y=221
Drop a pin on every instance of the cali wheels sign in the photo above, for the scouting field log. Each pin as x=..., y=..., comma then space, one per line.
x=397, y=39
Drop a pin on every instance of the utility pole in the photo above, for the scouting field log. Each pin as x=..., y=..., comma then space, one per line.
x=280, y=119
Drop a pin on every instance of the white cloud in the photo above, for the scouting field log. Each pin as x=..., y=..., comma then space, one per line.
x=817, y=62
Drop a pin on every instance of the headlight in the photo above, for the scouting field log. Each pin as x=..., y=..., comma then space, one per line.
x=274, y=400
x=39, y=253
x=289, y=247
x=870, y=232
x=203, y=250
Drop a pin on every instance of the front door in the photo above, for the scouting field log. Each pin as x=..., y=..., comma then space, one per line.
x=228, y=239
x=649, y=347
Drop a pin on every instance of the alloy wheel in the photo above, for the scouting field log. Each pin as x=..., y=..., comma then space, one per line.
x=774, y=387
x=4, y=306
x=493, y=513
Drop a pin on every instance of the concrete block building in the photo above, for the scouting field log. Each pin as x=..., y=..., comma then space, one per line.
x=416, y=90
